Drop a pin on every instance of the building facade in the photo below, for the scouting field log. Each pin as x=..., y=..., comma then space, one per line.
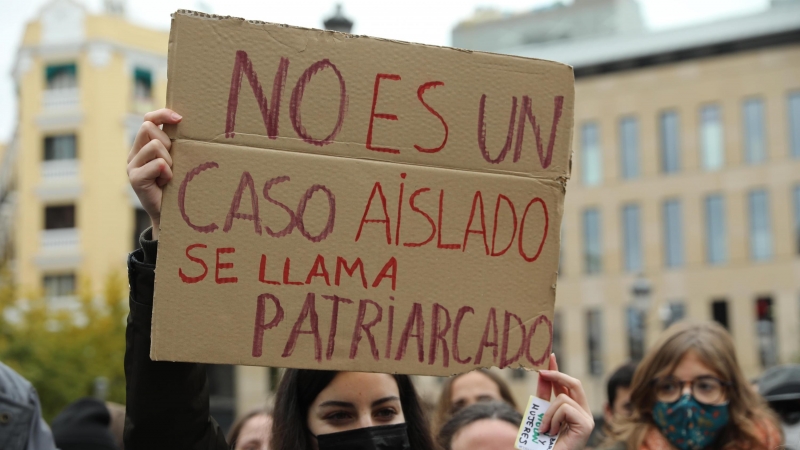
x=684, y=200
x=68, y=217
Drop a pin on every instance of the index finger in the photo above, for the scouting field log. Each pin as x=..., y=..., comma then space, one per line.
x=544, y=387
x=162, y=116
x=573, y=385
x=553, y=365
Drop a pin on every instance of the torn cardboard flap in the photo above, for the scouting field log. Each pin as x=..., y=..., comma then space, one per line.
x=350, y=203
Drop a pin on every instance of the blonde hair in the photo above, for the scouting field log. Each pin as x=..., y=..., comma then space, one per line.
x=750, y=419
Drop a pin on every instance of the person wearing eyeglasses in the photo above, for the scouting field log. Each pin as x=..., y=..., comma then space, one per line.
x=689, y=393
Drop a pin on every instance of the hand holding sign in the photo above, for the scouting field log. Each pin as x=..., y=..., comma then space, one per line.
x=569, y=415
x=150, y=164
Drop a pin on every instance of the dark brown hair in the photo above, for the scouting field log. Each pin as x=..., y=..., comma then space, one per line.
x=444, y=408
x=299, y=388
x=473, y=413
x=751, y=421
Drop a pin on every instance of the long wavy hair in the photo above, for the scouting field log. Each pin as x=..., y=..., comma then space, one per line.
x=299, y=388
x=750, y=418
x=444, y=407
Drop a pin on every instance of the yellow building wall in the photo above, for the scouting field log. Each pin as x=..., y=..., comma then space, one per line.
x=104, y=208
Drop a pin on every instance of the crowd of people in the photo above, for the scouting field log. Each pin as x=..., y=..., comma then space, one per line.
x=687, y=393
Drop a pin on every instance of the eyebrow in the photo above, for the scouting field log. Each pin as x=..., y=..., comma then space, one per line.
x=342, y=404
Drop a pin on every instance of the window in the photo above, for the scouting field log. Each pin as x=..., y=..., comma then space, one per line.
x=719, y=312
x=760, y=228
x=61, y=76
x=711, y=139
x=60, y=147
x=56, y=217
x=632, y=238
x=797, y=217
x=755, y=147
x=765, y=329
x=594, y=332
x=558, y=340
x=673, y=234
x=142, y=84
x=592, y=170
x=794, y=124
x=62, y=285
x=592, y=247
x=629, y=147
x=673, y=312
x=716, y=251
x=635, y=320
x=670, y=143
x=222, y=394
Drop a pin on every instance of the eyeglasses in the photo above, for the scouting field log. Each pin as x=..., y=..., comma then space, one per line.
x=705, y=389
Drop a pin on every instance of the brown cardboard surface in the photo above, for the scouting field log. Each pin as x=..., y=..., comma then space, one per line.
x=279, y=205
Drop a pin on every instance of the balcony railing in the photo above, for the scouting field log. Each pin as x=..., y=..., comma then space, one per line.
x=62, y=240
x=60, y=170
x=61, y=98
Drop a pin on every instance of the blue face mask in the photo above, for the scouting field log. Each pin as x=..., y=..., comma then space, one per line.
x=688, y=424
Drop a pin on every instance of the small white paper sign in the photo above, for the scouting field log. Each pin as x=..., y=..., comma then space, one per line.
x=529, y=437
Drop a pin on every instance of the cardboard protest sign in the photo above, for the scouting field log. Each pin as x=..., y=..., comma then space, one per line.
x=349, y=203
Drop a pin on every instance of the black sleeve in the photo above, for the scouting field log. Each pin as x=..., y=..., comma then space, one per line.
x=167, y=402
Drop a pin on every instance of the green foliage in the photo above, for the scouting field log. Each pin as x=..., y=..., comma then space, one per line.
x=62, y=352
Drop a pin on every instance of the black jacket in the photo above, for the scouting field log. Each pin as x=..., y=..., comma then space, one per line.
x=167, y=402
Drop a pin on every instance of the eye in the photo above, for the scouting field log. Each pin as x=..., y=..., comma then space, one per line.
x=386, y=413
x=338, y=416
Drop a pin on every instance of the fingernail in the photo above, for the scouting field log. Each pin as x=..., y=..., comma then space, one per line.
x=176, y=116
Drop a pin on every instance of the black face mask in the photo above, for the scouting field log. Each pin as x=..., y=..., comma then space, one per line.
x=384, y=437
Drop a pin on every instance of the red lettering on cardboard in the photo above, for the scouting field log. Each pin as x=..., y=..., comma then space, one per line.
x=190, y=280
x=334, y=322
x=373, y=114
x=309, y=310
x=522, y=229
x=390, y=265
x=182, y=197
x=424, y=87
x=260, y=327
x=439, y=334
x=376, y=188
x=544, y=158
x=318, y=270
x=341, y=263
x=361, y=326
x=297, y=101
x=245, y=182
x=482, y=132
x=416, y=209
x=269, y=112
x=476, y=200
x=494, y=230
x=415, y=321
x=456, y=327
x=222, y=266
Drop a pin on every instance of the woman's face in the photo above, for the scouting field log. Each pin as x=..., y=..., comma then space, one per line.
x=254, y=434
x=471, y=388
x=486, y=434
x=356, y=400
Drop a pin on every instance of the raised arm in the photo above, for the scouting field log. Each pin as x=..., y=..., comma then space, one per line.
x=167, y=402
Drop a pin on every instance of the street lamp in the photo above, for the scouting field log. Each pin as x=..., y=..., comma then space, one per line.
x=338, y=21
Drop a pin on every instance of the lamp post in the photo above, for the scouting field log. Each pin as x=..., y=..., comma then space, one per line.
x=640, y=291
x=338, y=21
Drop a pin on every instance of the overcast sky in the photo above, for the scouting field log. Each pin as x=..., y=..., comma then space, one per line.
x=425, y=21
